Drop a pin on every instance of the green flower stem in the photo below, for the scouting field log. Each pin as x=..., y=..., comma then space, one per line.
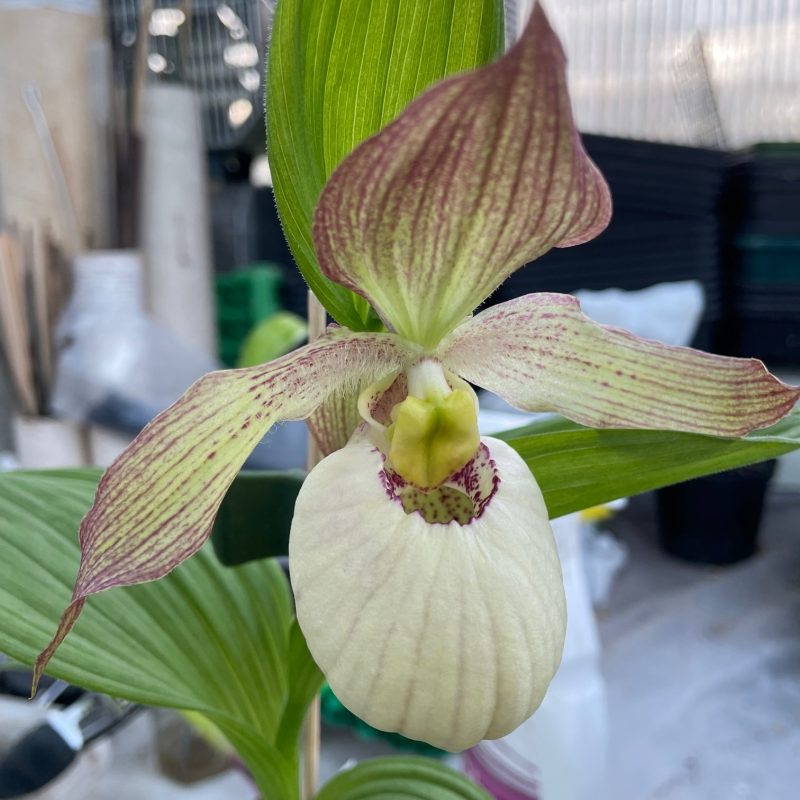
x=311, y=727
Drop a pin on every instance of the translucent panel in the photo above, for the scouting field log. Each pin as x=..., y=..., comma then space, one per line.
x=702, y=72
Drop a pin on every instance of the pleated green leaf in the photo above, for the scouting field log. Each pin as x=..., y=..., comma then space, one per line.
x=339, y=70
x=579, y=467
x=306, y=682
x=218, y=641
x=396, y=778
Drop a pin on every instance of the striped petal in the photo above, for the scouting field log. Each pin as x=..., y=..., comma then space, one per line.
x=481, y=174
x=335, y=420
x=439, y=615
x=155, y=505
x=541, y=353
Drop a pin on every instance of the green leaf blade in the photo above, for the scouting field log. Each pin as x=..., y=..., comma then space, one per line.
x=401, y=778
x=579, y=467
x=576, y=468
x=306, y=682
x=339, y=70
x=207, y=639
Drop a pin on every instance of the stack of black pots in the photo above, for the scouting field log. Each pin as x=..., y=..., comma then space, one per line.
x=766, y=293
x=666, y=227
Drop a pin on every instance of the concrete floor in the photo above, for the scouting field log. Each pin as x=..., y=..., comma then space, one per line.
x=703, y=667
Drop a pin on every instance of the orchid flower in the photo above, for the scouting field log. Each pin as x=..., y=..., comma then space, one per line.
x=425, y=574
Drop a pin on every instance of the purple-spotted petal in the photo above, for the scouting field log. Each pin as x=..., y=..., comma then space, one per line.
x=482, y=173
x=156, y=504
x=541, y=353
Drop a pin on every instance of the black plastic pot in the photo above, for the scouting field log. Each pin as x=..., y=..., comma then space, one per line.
x=715, y=519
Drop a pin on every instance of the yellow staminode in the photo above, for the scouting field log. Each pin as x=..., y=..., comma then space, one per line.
x=434, y=431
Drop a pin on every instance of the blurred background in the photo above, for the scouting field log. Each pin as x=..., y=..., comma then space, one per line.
x=140, y=248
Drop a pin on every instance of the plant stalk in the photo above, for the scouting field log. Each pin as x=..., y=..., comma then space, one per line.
x=311, y=729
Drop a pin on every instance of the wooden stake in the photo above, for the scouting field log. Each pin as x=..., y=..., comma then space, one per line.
x=311, y=729
x=14, y=322
x=40, y=323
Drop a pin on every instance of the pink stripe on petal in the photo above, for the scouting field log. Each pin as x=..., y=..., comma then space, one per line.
x=335, y=421
x=156, y=504
x=481, y=174
x=541, y=353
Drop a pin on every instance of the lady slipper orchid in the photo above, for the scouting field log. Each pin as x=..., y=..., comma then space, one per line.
x=424, y=570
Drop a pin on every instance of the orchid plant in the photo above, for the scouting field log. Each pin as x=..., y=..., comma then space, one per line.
x=424, y=572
